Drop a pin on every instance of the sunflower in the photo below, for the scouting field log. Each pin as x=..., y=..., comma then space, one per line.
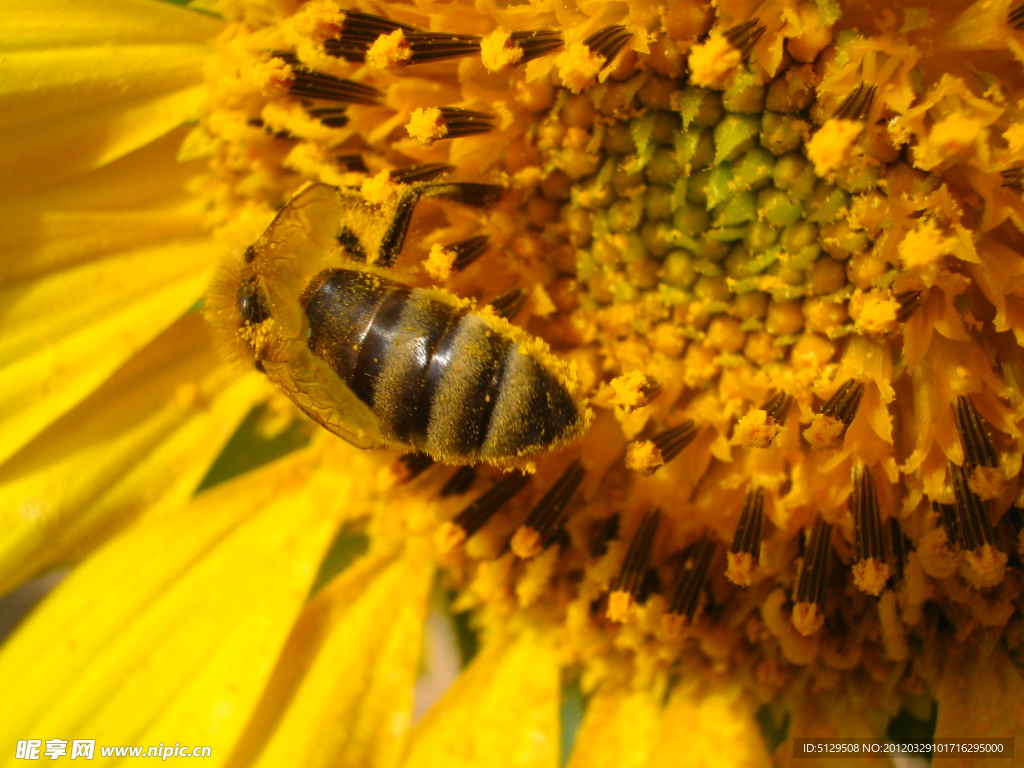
x=777, y=245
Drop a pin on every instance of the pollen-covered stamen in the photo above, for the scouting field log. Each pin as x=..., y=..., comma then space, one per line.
x=672, y=441
x=647, y=456
x=857, y=104
x=809, y=611
x=870, y=572
x=544, y=520
x=358, y=33
x=828, y=426
x=309, y=84
x=690, y=581
x=424, y=172
x=468, y=251
x=607, y=531
x=608, y=42
x=908, y=302
x=332, y=117
x=900, y=549
x=475, y=516
x=759, y=427
x=430, y=46
x=744, y=36
x=777, y=406
x=974, y=438
x=745, y=551
x=430, y=125
x=535, y=43
x=972, y=518
x=412, y=465
x=510, y=302
x=459, y=483
x=628, y=582
x=985, y=564
x=1016, y=17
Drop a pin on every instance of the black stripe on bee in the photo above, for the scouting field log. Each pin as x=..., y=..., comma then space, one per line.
x=436, y=376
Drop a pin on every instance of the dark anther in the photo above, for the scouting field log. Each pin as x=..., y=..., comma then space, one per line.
x=467, y=251
x=415, y=464
x=637, y=558
x=431, y=46
x=867, y=520
x=672, y=441
x=509, y=303
x=650, y=584
x=459, y=483
x=258, y=365
x=1013, y=176
x=747, y=539
x=900, y=548
x=972, y=518
x=546, y=517
x=744, y=36
x=250, y=254
x=857, y=105
x=974, y=438
x=608, y=41
x=257, y=122
x=332, y=117
x=1016, y=517
x=909, y=301
x=810, y=587
x=607, y=531
x=1016, y=17
x=776, y=407
x=535, y=43
x=352, y=163
x=476, y=515
x=693, y=575
x=948, y=517
x=466, y=192
x=424, y=172
x=317, y=85
x=358, y=33
x=842, y=406
x=465, y=122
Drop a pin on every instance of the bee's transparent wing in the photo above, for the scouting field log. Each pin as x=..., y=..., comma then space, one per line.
x=318, y=392
x=291, y=252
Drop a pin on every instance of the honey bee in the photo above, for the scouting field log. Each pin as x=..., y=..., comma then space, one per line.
x=381, y=363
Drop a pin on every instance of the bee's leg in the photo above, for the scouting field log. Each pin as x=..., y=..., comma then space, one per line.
x=394, y=236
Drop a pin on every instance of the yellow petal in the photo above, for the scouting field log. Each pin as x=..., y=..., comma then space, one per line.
x=50, y=23
x=38, y=155
x=172, y=630
x=979, y=697
x=161, y=420
x=709, y=724
x=48, y=84
x=58, y=374
x=618, y=730
x=343, y=691
x=503, y=712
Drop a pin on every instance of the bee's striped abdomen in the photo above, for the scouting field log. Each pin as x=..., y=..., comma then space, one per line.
x=438, y=378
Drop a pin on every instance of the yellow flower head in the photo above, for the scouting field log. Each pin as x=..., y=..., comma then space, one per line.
x=718, y=308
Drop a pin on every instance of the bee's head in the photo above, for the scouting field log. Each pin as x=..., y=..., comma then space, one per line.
x=237, y=308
